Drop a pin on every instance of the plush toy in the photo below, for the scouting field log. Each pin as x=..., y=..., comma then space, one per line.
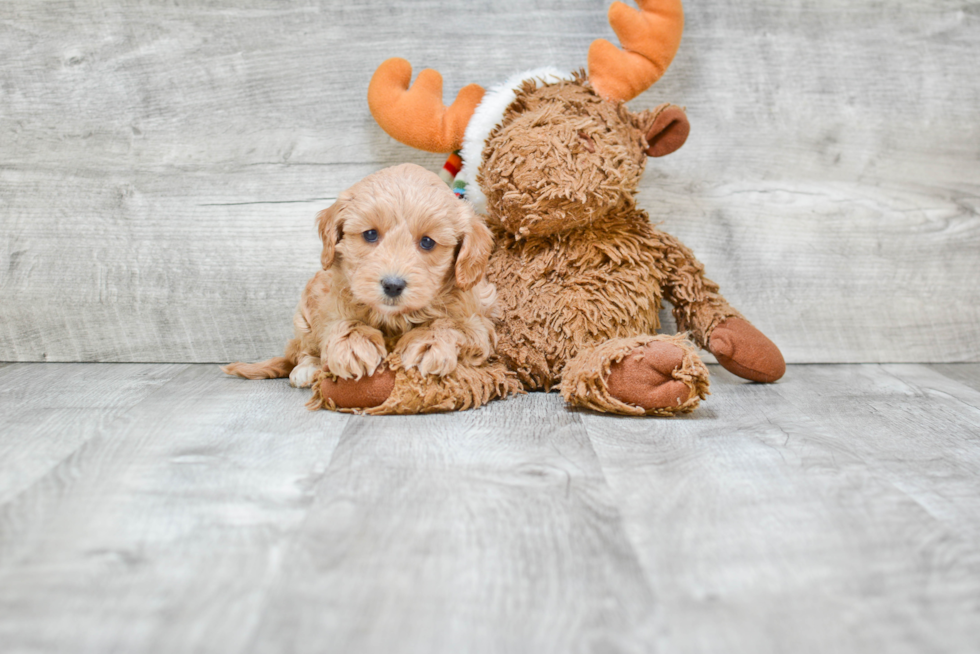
x=553, y=160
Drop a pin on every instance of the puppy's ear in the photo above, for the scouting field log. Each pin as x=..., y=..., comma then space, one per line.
x=330, y=225
x=474, y=249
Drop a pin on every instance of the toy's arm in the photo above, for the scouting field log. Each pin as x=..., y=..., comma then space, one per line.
x=713, y=324
x=698, y=306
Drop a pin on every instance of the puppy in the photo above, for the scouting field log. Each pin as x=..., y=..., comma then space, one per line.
x=403, y=271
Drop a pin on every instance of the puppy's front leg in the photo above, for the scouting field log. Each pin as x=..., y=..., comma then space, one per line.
x=432, y=351
x=352, y=349
x=437, y=348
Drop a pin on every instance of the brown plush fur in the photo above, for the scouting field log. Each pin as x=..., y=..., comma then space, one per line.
x=588, y=378
x=408, y=391
x=561, y=158
x=442, y=322
x=579, y=269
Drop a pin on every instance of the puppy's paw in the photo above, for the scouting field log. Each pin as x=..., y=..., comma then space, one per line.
x=355, y=353
x=432, y=352
x=302, y=375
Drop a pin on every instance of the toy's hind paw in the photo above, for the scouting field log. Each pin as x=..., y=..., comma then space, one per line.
x=639, y=375
x=644, y=378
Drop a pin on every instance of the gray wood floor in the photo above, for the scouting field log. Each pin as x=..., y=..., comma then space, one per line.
x=167, y=508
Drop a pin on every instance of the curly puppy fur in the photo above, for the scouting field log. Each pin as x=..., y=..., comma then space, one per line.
x=403, y=273
x=579, y=269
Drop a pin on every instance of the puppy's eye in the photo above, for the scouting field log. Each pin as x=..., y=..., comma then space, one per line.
x=426, y=243
x=370, y=235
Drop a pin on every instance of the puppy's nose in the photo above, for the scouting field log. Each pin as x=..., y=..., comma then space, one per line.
x=393, y=286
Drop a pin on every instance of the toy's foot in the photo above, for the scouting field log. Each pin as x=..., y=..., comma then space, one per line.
x=743, y=350
x=654, y=375
x=364, y=393
x=395, y=390
x=644, y=377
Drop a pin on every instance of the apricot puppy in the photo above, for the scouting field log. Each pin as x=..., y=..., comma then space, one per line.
x=404, y=266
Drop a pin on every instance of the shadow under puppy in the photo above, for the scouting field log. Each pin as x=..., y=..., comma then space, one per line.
x=403, y=294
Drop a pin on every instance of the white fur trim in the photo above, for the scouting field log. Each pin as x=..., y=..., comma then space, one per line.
x=487, y=116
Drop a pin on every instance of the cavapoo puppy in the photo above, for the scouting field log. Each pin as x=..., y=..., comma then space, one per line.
x=403, y=272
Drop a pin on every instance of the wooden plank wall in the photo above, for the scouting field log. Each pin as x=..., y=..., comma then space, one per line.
x=161, y=162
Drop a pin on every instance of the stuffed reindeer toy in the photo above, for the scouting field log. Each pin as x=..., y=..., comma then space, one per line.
x=554, y=160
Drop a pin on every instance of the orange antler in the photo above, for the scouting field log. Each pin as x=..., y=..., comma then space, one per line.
x=650, y=39
x=416, y=116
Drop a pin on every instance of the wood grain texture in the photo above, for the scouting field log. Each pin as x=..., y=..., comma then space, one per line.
x=838, y=510
x=834, y=511
x=162, y=531
x=486, y=531
x=965, y=373
x=50, y=410
x=162, y=163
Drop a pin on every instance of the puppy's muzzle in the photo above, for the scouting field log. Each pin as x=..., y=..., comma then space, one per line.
x=393, y=286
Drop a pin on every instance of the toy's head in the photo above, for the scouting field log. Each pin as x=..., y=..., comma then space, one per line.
x=563, y=157
x=547, y=152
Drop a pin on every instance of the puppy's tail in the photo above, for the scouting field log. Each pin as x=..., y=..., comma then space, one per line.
x=271, y=369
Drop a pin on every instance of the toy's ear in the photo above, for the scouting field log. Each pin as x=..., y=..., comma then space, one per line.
x=474, y=249
x=330, y=225
x=668, y=130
